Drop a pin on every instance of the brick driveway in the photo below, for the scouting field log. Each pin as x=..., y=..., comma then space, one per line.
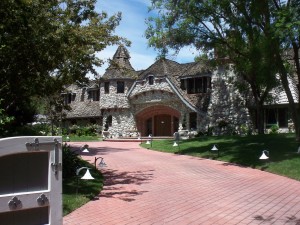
x=148, y=187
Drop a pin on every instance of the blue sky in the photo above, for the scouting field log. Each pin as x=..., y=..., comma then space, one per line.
x=132, y=27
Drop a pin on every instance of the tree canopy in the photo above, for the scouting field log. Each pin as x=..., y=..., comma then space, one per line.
x=45, y=44
x=245, y=32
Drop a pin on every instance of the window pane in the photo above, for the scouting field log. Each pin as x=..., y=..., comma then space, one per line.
x=183, y=84
x=106, y=87
x=151, y=80
x=120, y=87
x=190, y=86
x=198, y=85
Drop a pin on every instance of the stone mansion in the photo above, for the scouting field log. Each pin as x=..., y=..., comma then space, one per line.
x=164, y=98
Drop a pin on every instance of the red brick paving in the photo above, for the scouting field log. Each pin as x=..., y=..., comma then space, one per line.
x=148, y=187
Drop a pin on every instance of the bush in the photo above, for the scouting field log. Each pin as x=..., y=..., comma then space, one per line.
x=70, y=161
x=89, y=130
x=274, y=129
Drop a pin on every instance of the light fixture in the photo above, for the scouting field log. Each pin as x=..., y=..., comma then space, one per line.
x=176, y=138
x=215, y=149
x=68, y=139
x=149, y=141
x=85, y=148
x=265, y=155
x=87, y=175
x=101, y=164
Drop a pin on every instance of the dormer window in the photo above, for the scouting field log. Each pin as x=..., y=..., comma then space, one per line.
x=120, y=86
x=151, y=80
x=68, y=98
x=196, y=85
x=94, y=95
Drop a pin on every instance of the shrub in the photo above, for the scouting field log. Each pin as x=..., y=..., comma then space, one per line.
x=274, y=129
x=70, y=161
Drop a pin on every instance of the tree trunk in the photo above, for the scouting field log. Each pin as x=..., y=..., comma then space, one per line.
x=260, y=118
x=292, y=106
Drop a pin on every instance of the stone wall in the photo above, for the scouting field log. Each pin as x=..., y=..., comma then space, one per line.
x=143, y=86
x=227, y=111
x=123, y=123
x=114, y=99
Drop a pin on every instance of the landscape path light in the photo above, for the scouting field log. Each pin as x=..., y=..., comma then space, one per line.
x=215, y=149
x=85, y=148
x=86, y=176
x=101, y=164
x=264, y=155
x=176, y=139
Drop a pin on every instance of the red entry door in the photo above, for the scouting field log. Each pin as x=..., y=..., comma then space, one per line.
x=162, y=125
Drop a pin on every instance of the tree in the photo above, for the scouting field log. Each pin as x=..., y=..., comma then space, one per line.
x=230, y=27
x=286, y=32
x=46, y=44
x=4, y=119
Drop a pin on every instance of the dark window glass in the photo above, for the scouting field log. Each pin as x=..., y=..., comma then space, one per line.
x=94, y=95
x=196, y=85
x=193, y=121
x=283, y=117
x=183, y=84
x=120, y=87
x=190, y=86
x=151, y=80
x=106, y=87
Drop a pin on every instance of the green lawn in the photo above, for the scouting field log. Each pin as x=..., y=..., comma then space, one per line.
x=244, y=151
x=76, y=138
x=77, y=194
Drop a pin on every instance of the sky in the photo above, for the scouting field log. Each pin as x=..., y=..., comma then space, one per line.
x=132, y=27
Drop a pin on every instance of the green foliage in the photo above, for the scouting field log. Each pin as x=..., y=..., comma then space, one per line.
x=89, y=130
x=4, y=119
x=274, y=129
x=46, y=45
x=75, y=192
x=70, y=161
x=241, y=31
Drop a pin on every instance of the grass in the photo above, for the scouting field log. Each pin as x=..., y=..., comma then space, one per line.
x=87, y=190
x=76, y=138
x=244, y=151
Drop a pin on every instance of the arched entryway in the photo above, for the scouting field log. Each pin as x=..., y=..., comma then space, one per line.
x=158, y=120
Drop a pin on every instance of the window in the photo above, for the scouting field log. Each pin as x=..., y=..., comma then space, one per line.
x=120, y=86
x=68, y=98
x=151, y=80
x=277, y=116
x=94, y=95
x=106, y=87
x=108, y=122
x=195, y=85
x=183, y=84
x=193, y=121
x=82, y=95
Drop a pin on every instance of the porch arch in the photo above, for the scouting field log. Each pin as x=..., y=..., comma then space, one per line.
x=158, y=120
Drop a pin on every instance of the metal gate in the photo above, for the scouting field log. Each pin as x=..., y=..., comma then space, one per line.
x=30, y=181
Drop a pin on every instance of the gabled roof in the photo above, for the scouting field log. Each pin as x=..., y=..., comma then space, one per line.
x=197, y=68
x=120, y=67
x=163, y=67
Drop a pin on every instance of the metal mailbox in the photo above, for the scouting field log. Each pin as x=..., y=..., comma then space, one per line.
x=30, y=181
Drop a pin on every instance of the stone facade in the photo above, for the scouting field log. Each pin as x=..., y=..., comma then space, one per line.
x=160, y=100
